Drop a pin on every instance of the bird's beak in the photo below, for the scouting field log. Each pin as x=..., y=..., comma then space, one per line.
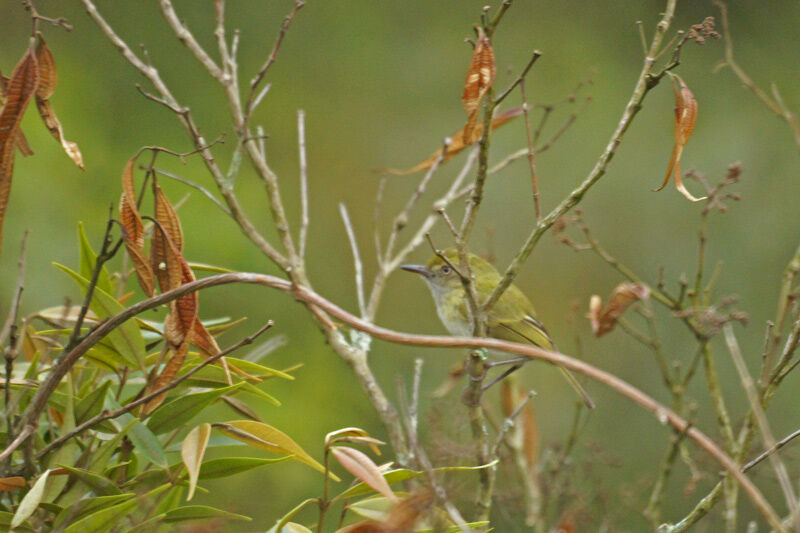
x=417, y=269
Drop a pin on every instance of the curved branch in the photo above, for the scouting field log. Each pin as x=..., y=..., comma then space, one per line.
x=664, y=414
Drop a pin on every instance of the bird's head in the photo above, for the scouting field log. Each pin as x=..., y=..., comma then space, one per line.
x=440, y=274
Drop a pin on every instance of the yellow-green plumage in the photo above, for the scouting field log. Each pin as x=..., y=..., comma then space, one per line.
x=512, y=318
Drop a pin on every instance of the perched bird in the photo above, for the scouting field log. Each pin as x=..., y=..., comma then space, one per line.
x=511, y=319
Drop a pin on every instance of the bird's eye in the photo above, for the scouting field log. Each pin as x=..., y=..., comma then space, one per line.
x=446, y=269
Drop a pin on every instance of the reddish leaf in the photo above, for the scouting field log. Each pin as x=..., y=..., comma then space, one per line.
x=480, y=77
x=8, y=484
x=21, y=142
x=45, y=89
x=457, y=143
x=685, y=120
x=167, y=243
x=134, y=231
x=165, y=377
x=361, y=466
x=20, y=89
x=604, y=318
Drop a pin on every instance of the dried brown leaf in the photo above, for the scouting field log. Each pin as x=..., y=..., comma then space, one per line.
x=9, y=484
x=45, y=89
x=685, y=120
x=21, y=87
x=133, y=234
x=21, y=141
x=480, y=77
x=167, y=374
x=457, y=144
x=604, y=317
x=167, y=243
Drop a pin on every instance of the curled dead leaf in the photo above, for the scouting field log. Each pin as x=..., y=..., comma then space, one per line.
x=362, y=467
x=45, y=89
x=458, y=143
x=604, y=317
x=685, y=120
x=480, y=77
x=133, y=231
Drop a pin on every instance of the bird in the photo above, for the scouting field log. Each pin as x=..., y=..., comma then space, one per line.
x=512, y=318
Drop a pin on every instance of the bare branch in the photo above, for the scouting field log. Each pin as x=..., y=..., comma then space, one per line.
x=301, y=145
x=351, y=236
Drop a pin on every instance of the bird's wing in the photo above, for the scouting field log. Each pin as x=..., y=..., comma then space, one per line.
x=527, y=330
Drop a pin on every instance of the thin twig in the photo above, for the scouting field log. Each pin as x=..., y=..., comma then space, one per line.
x=254, y=83
x=301, y=144
x=763, y=423
x=351, y=236
x=531, y=163
x=208, y=194
x=644, y=84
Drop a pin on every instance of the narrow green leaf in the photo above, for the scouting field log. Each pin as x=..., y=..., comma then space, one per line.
x=98, y=483
x=5, y=523
x=92, y=403
x=229, y=466
x=31, y=500
x=88, y=260
x=126, y=339
x=280, y=525
x=192, y=451
x=201, y=512
x=182, y=409
x=261, y=435
x=68, y=451
x=209, y=268
x=87, y=506
x=146, y=443
x=105, y=519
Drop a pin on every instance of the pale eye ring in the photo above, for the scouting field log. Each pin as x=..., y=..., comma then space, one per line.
x=446, y=269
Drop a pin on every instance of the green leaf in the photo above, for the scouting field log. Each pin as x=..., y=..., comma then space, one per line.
x=209, y=268
x=192, y=451
x=229, y=466
x=126, y=339
x=88, y=260
x=92, y=403
x=105, y=519
x=375, y=508
x=261, y=435
x=67, y=452
x=99, y=484
x=145, y=442
x=100, y=458
x=5, y=523
x=182, y=409
x=87, y=506
x=281, y=525
x=200, y=512
x=31, y=500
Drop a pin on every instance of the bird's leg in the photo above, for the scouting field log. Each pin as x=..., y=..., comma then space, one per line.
x=502, y=376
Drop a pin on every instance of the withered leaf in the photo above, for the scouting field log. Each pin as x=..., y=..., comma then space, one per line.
x=21, y=141
x=8, y=484
x=604, y=317
x=457, y=144
x=685, y=120
x=21, y=87
x=133, y=233
x=166, y=237
x=480, y=77
x=45, y=89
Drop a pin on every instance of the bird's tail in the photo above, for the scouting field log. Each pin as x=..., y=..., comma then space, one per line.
x=572, y=380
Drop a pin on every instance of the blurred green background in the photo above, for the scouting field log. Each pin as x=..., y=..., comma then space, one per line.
x=380, y=83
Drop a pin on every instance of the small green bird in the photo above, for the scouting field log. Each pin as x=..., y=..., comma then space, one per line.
x=511, y=319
